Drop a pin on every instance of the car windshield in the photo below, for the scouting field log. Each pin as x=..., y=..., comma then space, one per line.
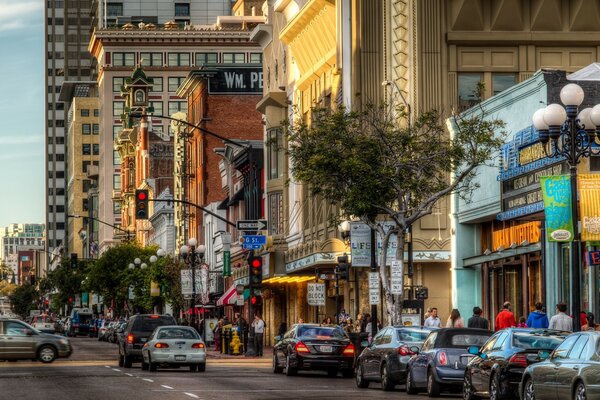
x=177, y=333
x=412, y=335
x=319, y=332
x=530, y=340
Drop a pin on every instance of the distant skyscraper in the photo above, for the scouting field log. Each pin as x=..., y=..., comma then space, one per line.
x=68, y=27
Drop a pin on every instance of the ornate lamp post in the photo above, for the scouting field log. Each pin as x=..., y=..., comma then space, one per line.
x=570, y=136
x=189, y=253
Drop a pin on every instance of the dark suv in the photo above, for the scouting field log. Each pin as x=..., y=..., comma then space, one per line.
x=136, y=333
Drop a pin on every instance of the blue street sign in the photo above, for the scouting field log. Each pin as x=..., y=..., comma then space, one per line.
x=259, y=240
x=251, y=246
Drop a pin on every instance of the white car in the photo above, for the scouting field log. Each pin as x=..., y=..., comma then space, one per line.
x=173, y=345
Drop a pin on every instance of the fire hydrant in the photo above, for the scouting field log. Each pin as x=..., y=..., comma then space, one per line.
x=235, y=343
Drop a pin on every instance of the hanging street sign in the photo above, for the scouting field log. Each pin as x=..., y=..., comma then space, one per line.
x=253, y=242
x=226, y=263
x=252, y=225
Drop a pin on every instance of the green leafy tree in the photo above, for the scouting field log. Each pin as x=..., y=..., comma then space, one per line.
x=24, y=299
x=380, y=164
x=63, y=283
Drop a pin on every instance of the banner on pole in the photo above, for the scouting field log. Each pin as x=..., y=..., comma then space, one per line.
x=360, y=244
x=556, y=191
x=589, y=203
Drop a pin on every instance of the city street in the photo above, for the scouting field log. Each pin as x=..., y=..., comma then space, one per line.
x=92, y=373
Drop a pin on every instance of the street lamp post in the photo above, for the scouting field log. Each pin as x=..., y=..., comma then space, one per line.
x=137, y=263
x=191, y=250
x=571, y=136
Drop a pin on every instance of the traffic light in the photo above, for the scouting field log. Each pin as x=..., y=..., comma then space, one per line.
x=73, y=260
x=255, y=265
x=141, y=204
x=343, y=267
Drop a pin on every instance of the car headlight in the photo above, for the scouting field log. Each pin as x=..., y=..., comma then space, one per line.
x=63, y=341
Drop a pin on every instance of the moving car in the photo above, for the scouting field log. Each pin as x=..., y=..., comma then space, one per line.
x=173, y=345
x=386, y=358
x=571, y=372
x=497, y=368
x=20, y=341
x=138, y=330
x=437, y=366
x=314, y=347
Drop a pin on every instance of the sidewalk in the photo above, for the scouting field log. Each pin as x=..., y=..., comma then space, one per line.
x=213, y=354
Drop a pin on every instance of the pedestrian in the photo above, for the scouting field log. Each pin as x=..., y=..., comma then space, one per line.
x=455, y=320
x=349, y=326
x=343, y=317
x=538, y=318
x=217, y=332
x=505, y=318
x=433, y=320
x=427, y=313
x=300, y=320
x=561, y=321
x=477, y=321
x=522, y=322
x=259, y=330
x=591, y=324
x=327, y=321
x=366, y=319
x=369, y=328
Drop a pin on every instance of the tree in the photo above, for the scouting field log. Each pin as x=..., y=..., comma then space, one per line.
x=24, y=299
x=64, y=282
x=381, y=164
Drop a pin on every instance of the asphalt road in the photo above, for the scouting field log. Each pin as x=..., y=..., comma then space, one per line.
x=92, y=373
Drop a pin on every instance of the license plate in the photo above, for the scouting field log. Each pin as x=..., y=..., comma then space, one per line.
x=143, y=339
x=325, y=349
x=179, y=358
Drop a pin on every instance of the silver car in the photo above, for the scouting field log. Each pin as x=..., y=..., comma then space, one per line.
x=20, y=341
x=173, y=345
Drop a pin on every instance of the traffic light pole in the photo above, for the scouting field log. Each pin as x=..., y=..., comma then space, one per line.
x=250, y=351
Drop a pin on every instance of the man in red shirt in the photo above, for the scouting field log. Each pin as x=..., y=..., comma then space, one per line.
x=505, y=318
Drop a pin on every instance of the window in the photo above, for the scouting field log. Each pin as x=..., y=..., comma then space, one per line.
x=174, y=83
x=123, y=59
x=182, y=9
x=158, y=107
x=85, y=165
x=116, y=130
x=157, y=84
x=85, y=112
x=116, y=158
x=86, y=149
x=275, y=150
x=117, y=207
x=563, y=349
x=59, y=157
x=86, y=129
x=151, y=59
x=117, y=83
x=577, y=349
x=60, y=208
x=84, y=205
x=175, y=106
x=256, y=58
x=96, y=149
x=86, y=184
x=59, y=140
x=117, y=181
x=60, y=225
x=234, y=58
x=179, y=59
x=114, y=9
x=206, y=58
x=96, y=112
x=60, y=123
x=95, y=129
x=60, y=106
x=468, y=90
x=501, y=82
x=118, y=108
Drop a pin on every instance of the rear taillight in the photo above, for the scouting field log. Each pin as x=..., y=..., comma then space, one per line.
x=405, y=351
x=349, y=350
x=198, y=346
x=301, y=348
x=442, y=358
x=130, y=338
x=518, y=360
x=160, y=345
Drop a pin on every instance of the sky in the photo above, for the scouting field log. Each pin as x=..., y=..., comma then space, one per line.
x=22, y=184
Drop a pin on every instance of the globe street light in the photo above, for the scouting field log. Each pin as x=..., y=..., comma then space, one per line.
x=570, y=136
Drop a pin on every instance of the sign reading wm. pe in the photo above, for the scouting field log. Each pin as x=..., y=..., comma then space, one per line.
x=238, y=79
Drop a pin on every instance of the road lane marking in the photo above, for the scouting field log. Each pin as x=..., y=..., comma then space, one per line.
x=107, y=366
x=166, y=387
x=147, y=380
x=128, y=374
x=191, y=395
x=116, y=370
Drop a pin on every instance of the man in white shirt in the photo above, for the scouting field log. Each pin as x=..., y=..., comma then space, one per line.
x=561, y=321
x=259, y=329
x=433, y=320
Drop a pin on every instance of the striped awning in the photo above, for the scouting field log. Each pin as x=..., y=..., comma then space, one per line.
x=228, y=298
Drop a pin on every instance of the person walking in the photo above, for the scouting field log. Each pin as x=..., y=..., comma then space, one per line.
x=505, y=318
x=591, y=324
x=561, y=321
x=433, y=320
x=538, y=318
x=259, y=330
x=477, y=321
x=455, y=320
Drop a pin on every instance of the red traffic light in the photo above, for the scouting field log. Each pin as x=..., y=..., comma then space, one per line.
x=253, y=300
x=256, y=263
x=141, y=195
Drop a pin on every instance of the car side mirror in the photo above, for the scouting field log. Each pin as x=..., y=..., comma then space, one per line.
x=277, y=338
x=415, y=349
x=28, y=332
x=473, y=350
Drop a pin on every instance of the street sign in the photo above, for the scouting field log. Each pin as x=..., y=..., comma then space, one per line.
x=374, y=288
x=253, y=242
x=316, y=294
x=252, y=225
x=396, y=284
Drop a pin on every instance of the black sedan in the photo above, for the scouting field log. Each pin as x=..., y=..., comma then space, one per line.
x=439, y=364
x=497, y=367
x=314, y=347
x=571, y=372
x=386, y=358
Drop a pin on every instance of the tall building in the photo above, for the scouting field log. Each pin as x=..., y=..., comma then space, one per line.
x=68, y=26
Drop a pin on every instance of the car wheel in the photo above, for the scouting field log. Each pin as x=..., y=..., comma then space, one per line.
x=410, y=386
x=580, y=392
x=201, y=367
x=276, y=368
x=387, y=383
x=495, y=387
x=347, y=373
x=468, y=387
x=433, y=388
x=528, y=391
x=46, y=354
x=289, y=371
x=127, y=361
x=360, y=380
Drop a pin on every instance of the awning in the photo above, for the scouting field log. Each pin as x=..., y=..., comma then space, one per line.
x=230, y=294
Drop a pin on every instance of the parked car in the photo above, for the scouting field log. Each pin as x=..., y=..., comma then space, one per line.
x=174, y=345
x=386, y=358
x=437, y=366
x=80, y=322
x=20, y=341
x=136, y=333
x=314, y=347
x=572, y=371
x=497, y=367
x=116, y=330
